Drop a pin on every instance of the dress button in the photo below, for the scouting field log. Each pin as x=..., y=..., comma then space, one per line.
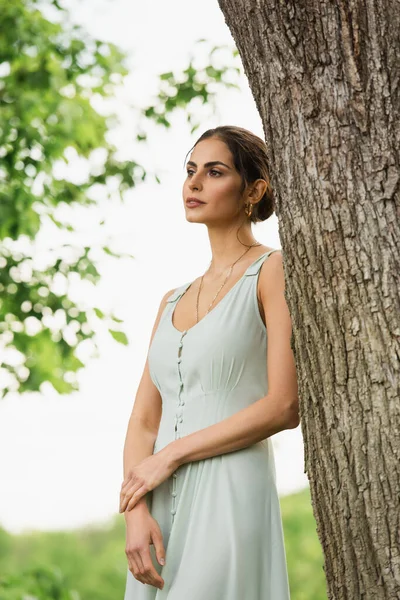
x=173, y=511
x=173, y=494
x=174, y=475
x=180, y=344
x=178, y=360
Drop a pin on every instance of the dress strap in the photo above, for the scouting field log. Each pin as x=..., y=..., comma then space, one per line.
x=178, y=292
x=256, y=266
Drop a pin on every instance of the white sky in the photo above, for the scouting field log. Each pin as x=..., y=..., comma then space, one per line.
x=61, y=457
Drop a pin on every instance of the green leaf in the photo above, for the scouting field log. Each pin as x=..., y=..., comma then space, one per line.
x=114, y=318
x=119, y=336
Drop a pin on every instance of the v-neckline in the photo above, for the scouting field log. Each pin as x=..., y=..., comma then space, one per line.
x=185, y=331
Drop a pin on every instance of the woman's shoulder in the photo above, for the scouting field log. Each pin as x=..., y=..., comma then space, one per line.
x=174, y=293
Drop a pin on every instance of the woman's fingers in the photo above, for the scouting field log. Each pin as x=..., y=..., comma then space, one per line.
x=139, y=570
x=134, y=561
x=150, y=574
x=157, y=540
x=126, y=481
x=133, y=484
x=136, y=497
x=127, y=495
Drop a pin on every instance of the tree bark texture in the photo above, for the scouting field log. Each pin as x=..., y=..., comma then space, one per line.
x=325, y=77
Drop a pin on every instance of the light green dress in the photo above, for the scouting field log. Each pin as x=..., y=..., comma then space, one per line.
x=220, y=517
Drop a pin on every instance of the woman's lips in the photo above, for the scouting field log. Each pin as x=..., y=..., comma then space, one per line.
x=193, y=203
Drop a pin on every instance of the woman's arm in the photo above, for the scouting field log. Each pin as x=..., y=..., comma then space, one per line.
x=139, y=443
x=145, y=416
x=141, y=528
x=274, y=412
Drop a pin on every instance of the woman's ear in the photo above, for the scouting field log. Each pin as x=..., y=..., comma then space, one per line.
x=257, y=190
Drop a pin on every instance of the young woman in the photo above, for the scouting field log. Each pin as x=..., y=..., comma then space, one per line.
x=199, y=494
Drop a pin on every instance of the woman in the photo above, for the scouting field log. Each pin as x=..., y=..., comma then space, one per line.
x=199, y=496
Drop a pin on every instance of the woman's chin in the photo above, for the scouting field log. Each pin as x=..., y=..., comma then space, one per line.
x=192, y=218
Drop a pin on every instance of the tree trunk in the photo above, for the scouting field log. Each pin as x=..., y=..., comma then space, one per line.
x=325, y=77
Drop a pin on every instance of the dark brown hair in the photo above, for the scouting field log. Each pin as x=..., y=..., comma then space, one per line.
x=250, y=160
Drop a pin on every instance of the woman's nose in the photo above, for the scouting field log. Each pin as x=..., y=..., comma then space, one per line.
x=194, y=183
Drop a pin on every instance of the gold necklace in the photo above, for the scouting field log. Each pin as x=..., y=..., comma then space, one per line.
x=220, y=288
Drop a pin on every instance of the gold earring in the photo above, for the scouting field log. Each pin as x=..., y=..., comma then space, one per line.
x=248, y=209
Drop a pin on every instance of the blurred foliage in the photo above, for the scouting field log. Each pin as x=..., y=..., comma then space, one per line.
x=40, y=583
x=178, y=90
x=303, y=549
x=90, y=563
x=52, y=75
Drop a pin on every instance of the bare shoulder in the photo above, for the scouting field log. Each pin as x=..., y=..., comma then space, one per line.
x=274, y=261
x=167, y=295
x=275, y=256
x=271, y=278
x=162, y=305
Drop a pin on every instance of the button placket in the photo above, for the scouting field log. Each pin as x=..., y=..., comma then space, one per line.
x=178, y=419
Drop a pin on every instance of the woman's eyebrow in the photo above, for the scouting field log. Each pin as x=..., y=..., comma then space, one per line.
x=209, y=164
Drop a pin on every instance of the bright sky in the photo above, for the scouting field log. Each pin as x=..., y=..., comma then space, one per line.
x=61, y=457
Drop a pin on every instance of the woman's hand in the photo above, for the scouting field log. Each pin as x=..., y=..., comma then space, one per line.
x=146, y=476
x=142, y=530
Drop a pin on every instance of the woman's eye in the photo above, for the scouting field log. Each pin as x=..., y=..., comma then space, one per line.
x=213, y=171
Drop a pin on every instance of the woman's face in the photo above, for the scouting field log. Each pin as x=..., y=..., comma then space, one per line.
x=217, y=184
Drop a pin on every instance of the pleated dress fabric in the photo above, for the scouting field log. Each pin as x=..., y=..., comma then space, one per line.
x=220, y=517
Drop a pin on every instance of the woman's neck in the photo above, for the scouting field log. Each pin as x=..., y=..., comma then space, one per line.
x=226, y=248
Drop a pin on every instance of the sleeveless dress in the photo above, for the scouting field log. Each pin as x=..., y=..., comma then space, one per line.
x=220, y=517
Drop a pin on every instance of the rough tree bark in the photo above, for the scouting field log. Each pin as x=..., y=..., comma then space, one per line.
x=325, y=77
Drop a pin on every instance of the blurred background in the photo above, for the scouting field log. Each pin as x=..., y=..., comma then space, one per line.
x=101, y=101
